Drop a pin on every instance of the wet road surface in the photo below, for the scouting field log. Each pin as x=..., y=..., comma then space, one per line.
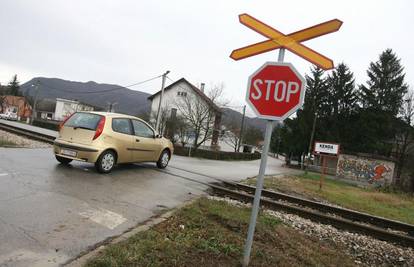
x=49, y=213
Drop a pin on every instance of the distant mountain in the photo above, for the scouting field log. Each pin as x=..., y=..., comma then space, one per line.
x=230, y=115
x=100, y=95
x=96, y=94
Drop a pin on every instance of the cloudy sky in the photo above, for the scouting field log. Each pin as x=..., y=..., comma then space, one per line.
x=123, y=42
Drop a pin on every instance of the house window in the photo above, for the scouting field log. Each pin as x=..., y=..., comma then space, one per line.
x=179, y=93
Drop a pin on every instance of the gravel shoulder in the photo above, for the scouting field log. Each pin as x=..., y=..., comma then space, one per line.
x=13, y=140
x=365, y=251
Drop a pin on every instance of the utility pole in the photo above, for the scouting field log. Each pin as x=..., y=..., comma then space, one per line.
x=241, y=129
x=111, y=106
x=157, y=123
x=311, y=141
x=35, y=101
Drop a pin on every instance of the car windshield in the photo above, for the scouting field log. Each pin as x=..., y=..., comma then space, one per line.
x=83, y=120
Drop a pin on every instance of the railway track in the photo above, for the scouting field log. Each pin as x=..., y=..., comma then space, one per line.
x=27, y=133
x=353, y=221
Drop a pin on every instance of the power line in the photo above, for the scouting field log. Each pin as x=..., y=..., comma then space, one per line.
x=118, y=87
x=221, y=106
x=228, y=106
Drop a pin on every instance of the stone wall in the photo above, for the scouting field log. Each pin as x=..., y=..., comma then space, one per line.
x=364, y=169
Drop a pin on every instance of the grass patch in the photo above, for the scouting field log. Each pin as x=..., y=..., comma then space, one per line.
x=6, y=143
x=397, y=206
x=212, y=233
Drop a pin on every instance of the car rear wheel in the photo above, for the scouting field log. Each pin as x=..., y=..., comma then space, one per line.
x=63, y=160
x=105, y=162
x=164, y=159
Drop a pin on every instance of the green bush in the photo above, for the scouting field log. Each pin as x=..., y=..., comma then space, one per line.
x=217, y=155
x=51, y=125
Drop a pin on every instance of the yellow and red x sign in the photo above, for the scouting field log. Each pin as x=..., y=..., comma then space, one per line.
x=290, y=41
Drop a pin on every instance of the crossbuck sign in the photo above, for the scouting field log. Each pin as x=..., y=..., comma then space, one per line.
x=276, y=89
x=291, y=42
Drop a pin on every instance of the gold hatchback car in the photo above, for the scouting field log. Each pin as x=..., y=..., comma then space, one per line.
x=107, y=138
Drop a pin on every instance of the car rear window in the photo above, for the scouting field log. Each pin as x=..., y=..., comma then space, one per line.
x=83, y=120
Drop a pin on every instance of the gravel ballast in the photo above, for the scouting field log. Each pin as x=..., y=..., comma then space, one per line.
x=20, y=141
x=365, y=250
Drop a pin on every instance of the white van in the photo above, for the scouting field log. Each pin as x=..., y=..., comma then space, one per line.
x=10, y=114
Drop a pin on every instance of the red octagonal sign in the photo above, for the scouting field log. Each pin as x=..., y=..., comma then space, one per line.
x=275, y=91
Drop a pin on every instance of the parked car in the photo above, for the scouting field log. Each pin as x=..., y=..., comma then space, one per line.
x=107, y=139
x=9, y=116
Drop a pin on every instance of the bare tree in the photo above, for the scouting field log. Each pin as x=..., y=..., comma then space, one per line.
x=232, y=139
x=216, y=95
x=182, y=133
x=164, y=117
x=2, y=103
x=199, y=113
x=405, y=137
x=232, y=134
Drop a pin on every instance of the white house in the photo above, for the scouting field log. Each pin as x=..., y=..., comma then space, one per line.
x=182, y=98
x=59, y=109
x=65, y=107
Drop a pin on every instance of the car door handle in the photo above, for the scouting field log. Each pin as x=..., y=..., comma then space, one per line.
x=136, y=140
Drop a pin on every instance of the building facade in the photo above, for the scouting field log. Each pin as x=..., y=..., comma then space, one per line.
x=65, y=107
x=15, y=104
x=183, y=100
x=58, y=109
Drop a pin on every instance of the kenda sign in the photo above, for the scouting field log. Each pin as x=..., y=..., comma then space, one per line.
x=326, y=148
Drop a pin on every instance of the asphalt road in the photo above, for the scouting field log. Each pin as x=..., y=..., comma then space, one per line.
x=50, y=213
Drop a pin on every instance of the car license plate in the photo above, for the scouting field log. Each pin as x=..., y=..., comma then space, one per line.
x=68, y=152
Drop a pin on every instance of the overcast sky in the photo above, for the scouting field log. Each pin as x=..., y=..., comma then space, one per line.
x=123, y=42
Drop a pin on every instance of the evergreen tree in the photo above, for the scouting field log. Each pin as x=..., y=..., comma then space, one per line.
x=14, y=86
x=342, y=94
x=382, y=100
x=315, y=108
x=386, y=87
x=316, y=97
x=342, y=98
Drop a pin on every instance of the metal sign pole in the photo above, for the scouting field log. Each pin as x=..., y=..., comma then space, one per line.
x=259, y=184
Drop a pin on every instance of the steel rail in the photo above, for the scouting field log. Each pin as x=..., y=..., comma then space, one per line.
x=339, y=222
x=343, y=212
x=27, y=133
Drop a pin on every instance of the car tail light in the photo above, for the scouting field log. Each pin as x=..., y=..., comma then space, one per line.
x=64, y=121
x=99, y=128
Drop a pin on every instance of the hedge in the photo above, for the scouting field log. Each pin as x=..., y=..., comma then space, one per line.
x=51, y=125
x=217, y=155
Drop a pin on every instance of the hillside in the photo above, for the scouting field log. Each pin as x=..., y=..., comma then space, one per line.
x=97, y=94
x=231, y=116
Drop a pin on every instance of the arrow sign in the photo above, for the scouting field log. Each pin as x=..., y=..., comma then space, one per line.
x=292, y=41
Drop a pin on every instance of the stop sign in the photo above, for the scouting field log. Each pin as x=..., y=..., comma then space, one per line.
x=275, y=91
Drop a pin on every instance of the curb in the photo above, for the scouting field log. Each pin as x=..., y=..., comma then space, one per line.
x=83, y=257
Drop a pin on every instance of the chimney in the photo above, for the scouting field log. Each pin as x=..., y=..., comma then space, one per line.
x=202, y=87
